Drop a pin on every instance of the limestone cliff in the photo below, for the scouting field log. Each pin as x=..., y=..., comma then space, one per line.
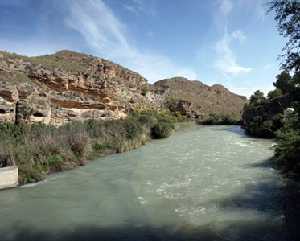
x=66, y=86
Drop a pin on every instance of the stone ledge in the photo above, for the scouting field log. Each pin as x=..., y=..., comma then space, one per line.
x=8, y=177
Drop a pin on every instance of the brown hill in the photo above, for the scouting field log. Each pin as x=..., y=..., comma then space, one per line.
x=197, y=100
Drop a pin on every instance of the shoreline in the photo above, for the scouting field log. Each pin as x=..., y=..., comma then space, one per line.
x=39, y=150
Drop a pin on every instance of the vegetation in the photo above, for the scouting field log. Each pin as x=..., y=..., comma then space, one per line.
x=277, y=115
x=219, y=119
x=263, y=116
x=287, y=16
x=39, y=149
x=65, y=60
x=57, y=61
x=287, y=151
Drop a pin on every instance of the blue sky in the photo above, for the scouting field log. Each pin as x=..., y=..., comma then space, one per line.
x=232, y=42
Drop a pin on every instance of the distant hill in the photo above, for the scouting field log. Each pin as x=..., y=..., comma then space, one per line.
x=66, y=86
x=198, y=100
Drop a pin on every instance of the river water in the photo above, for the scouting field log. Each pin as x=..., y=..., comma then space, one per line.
x=203, y=183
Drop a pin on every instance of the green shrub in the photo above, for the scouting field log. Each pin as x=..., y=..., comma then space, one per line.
x=219, y=119
x=287, y=151
x=55, y=161
x=99, y=147
x=162, y=129
x=133, y=128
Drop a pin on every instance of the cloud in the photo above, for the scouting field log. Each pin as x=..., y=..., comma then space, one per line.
x=239, y=35
x=225, y=7
x=134, y=6
x=226, y=62
x=107, y=36
x=261, y=9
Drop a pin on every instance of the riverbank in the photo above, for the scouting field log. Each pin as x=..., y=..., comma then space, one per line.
x=39, y=150
x=218, y=119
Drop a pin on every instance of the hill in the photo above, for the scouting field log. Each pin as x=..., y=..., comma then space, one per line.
x=197, y=100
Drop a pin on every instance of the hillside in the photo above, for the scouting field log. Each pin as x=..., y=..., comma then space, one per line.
x=198, y=100
x=55, y=89
x=66, y=86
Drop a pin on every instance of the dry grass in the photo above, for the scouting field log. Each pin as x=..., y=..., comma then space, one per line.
x=39, y=149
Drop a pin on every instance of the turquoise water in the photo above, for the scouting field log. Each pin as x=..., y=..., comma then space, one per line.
x=203, y=183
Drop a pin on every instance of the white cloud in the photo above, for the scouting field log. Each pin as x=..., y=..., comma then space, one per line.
x=261, y=10
x=226, y=61
x=134, y=6
x=225, y=6
x=239, y=35
x=107, y=37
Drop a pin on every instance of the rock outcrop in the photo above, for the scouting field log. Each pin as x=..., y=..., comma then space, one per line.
x=197, y=100
x=66, y=86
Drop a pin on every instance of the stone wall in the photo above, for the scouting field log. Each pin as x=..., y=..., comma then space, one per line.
x=8, y=177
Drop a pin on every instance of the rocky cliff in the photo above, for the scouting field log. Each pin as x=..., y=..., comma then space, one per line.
x=66, y=86
x=197, y=100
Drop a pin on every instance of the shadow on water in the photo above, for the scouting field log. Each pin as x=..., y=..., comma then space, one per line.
x=234, y=232
x=268, y=163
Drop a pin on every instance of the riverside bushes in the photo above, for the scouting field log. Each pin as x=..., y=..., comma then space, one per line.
x=39, y=149
x=218, y=119
x=277, y=116
x=287, y=151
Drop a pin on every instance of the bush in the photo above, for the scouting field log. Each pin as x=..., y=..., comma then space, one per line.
x=162, y=130
x=287, y=151
x=39, y=149
x=99, y=147
x=55, y=162
x=133, y=128
x=219, y=119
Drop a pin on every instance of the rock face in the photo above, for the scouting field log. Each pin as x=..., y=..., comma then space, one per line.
x=197, y=100
x=8, y=177
x=66, y=86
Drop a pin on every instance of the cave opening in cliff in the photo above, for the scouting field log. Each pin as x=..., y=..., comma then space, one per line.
x=38, y=114
x=2, y=111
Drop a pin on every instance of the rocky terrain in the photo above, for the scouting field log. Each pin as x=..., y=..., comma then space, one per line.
x=197, y=100
x=55, y=89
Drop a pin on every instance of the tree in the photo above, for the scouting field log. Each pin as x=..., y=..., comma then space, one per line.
x=257, y=98
x=283, y=82
x=287, y=16
x=273, y=94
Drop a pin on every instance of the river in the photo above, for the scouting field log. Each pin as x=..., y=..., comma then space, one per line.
x=203, y=183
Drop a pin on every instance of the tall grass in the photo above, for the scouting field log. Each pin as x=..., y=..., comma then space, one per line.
x=39, y=149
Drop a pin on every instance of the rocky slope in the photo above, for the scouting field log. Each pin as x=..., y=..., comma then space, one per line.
x=67, y=86
x=55, y=89
x=197, y=100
